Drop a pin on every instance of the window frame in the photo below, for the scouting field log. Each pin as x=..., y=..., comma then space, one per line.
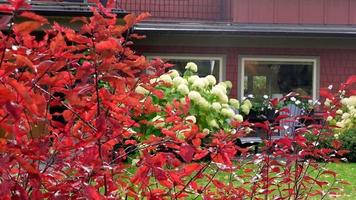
x=192, y=57
x=314, y=59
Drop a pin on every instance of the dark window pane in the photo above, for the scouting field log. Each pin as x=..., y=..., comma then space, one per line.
x=276, y=78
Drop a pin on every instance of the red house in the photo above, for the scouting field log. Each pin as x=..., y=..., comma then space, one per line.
x=263, y=46
x=267, y=47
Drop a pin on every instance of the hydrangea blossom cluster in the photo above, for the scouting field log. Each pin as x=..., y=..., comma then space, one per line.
x=345, y=116
x=211, y=108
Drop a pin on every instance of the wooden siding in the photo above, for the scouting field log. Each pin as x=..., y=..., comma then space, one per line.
x=328, y=12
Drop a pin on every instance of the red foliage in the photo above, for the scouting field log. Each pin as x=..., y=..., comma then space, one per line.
x=69, y=121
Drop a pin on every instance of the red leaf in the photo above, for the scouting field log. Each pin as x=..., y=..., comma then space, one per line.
x=325, y=92
x=332, y=173
x=336, y=144
x=4, y=21
x=58, y=43
x=91, y=193
x=14, y=110
x=82, y=19
x=186, y=152
x=321, y=183
x=108, y=45
x=201, y=154
x=19, y=4
x=27, y=166
x=34, y=17
x=130, y=142
x=24, y=61
x=26, y=27
x=189, y=169
x=6, y=8
x=351, y=80
x=142, y=16
x=218, y=184
x=130, y=20
x=137, y=36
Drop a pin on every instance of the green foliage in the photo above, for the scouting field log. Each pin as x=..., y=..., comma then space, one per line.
x=348, y=139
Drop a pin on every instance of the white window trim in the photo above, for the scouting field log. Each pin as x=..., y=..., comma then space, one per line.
x=193, y=57
x=314, y=60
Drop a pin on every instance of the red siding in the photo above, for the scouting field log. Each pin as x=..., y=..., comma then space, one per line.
x=287, y=11
x=335, y=64
x=296, y=11
x=311, y=11
x=260, y=11
x=337, y=11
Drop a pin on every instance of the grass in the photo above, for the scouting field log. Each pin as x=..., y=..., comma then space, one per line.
x=347, y=172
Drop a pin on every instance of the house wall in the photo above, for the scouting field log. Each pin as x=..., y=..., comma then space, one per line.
x=249, y=11
x=335, y=64
x=294, y=11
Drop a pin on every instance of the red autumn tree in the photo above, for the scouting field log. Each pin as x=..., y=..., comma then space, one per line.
x=68, y=111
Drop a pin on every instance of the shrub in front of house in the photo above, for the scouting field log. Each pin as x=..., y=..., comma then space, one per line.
x=120, y=107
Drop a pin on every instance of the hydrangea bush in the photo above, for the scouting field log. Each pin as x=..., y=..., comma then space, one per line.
x=210, y=107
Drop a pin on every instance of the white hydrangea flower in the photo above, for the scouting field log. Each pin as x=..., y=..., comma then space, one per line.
x=179, y=81
x=345, y=116
x=227, y=112
x=293, y=99
x=228, y=84
x=141, y=90
x=216, y=106
x=234, y=103
x=211, y=79
x=225, y=105
x=206, y=131
x=340, y=124
x=247, y=103
x=166, y=78
x=238, y=118
x=194, y=96
x=203, y=103
x=213, y=123
x=245, y=109
x=298, y=102
x=154, y=80
x=191, y=66
x=218, y=90
x=223, y=98
x=329, y=118
x=222, y=84
x=183, y=89
x=339, y=112
x=191, y=79
x=173, y=73
x=199, y=83
x=191, y=119
x=327, y=102
x=265, y=96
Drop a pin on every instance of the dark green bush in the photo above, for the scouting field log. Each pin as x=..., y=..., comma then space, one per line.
x=348, y=139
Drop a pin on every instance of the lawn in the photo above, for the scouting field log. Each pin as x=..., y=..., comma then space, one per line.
x=347, y=172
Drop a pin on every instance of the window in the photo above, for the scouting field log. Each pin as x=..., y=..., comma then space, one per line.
x=207, y=64
x=277, y=76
